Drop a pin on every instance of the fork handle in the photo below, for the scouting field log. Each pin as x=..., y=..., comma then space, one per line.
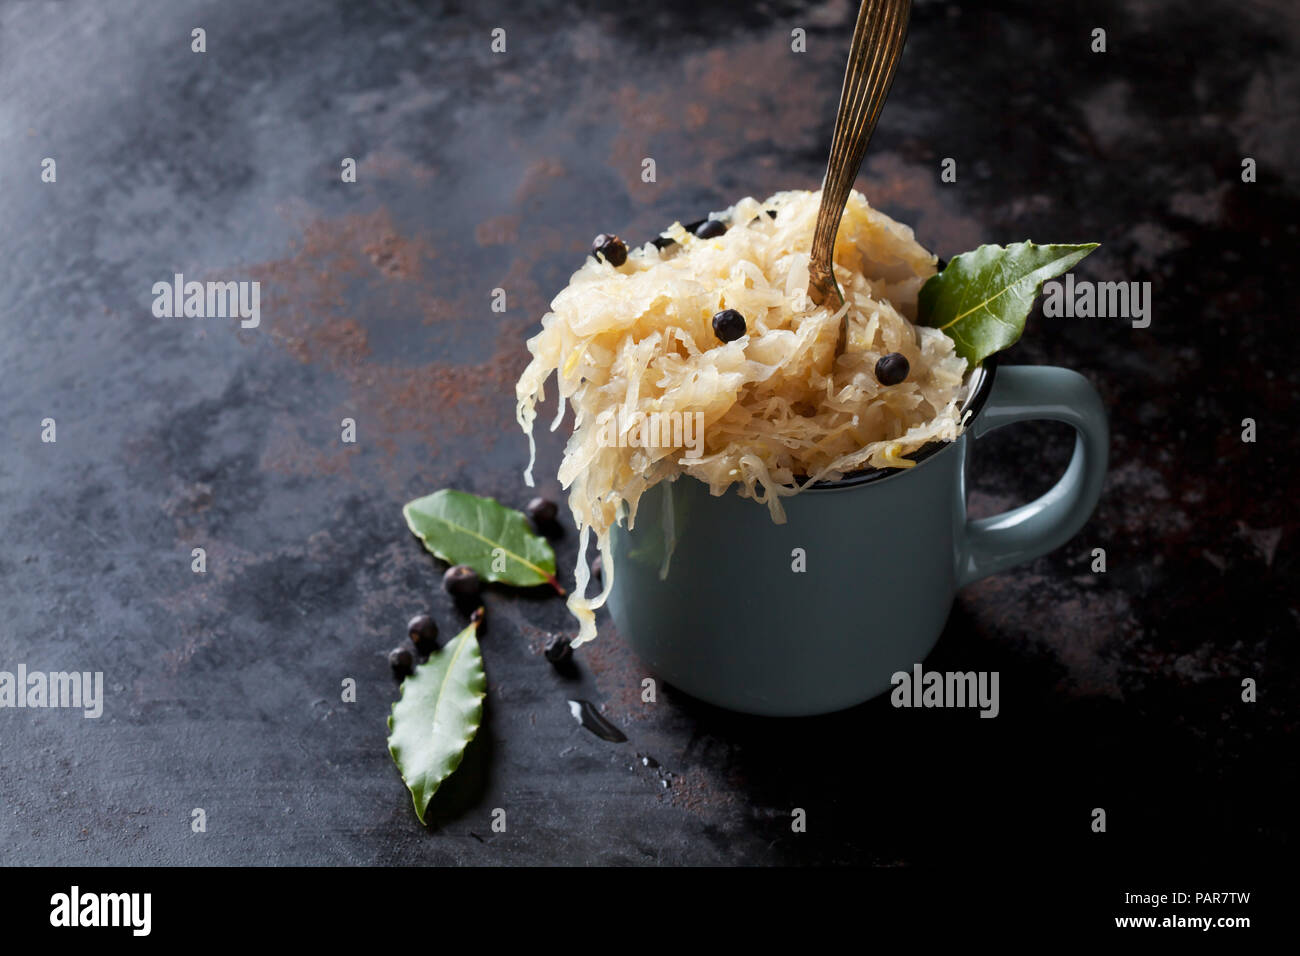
x=878, y=38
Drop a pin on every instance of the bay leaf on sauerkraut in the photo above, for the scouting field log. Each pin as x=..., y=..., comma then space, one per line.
x=778, y=408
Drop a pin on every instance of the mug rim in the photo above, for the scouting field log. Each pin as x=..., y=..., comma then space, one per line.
x=973, y=405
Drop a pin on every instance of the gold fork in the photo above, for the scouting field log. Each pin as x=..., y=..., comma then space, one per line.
x=877, y=47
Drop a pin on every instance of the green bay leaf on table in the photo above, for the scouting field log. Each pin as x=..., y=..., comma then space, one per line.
x=437, y=716
x=982, y=298
x=462, y=528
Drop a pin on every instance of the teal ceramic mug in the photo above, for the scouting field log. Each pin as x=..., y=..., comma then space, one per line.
x=707, y=595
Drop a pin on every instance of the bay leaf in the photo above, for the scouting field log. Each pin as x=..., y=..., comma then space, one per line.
x=982, y=298
x=438, y=714
x=461, y=528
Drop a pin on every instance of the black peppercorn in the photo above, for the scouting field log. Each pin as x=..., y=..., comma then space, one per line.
x=461, y=581
x=399, y=659
x=892, y=368
x=558, y=649
x=710, y=229
x=423, y=631
x=611, y=247
x=728, y=325
x=541, y=512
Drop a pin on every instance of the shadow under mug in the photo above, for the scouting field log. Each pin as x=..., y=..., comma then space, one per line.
x=707, y=595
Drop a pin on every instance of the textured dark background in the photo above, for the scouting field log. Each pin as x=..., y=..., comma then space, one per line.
x=477, y=171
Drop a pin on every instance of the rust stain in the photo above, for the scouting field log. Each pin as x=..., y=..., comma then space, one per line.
x=741, y=107
x=1086, y=630
x=289, y=453
x=445, y=395
x=344, y=337
x=497, y=231
x=394, y=256
x=527, y=302
x=537, y=178
x=389, y=164
x=619, y=675
x=697, y=115
x=188, y=500
x=913, y=195
x=316, y=318
x=699, y=791
x=740, y=111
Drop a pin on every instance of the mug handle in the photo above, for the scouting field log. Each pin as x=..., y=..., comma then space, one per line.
x=1033, y=393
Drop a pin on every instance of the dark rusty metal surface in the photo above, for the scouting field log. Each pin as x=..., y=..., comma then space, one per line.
x=479, y=171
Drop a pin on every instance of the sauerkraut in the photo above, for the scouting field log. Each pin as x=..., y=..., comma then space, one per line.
x=635, y=343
